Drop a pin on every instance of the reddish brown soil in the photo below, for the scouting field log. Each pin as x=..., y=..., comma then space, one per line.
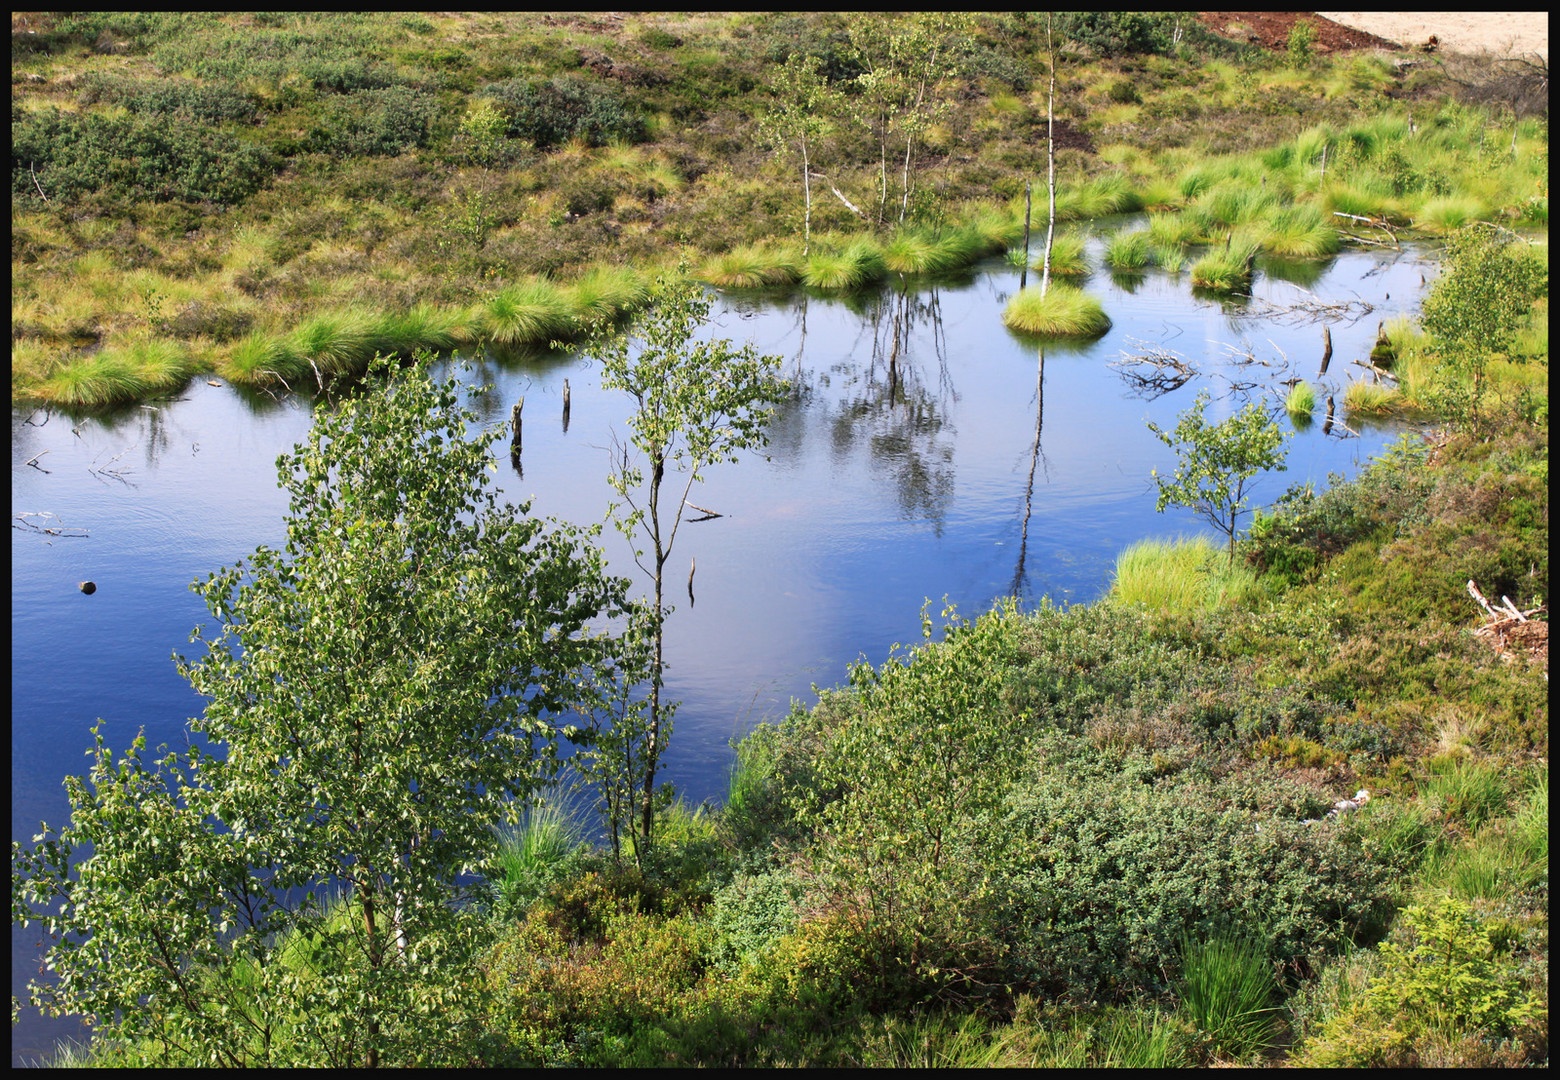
x=1270, y=29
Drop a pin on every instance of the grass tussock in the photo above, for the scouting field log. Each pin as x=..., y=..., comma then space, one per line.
x=754, y=267
x=119, y=374
x=1369, y=399
x=920, y=252
x=1062, y=312
x=855, y=265
x=1301, y=400
x=1129, y=250
x=1182, y=576
x=530, y=313
x=1228, y=267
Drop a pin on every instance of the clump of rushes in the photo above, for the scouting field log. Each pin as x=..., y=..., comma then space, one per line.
x=1128, y=250
x=1171, y=230
x=120, y=374
x=997, y=229
x=529, y=313
x=913, y=251
x=1300, y=232
x=1369, y=399
x=423, y=327
x=1301, y=400
x=1228, y=267
x=607, y=293
x=859, y=263
x=1102, y=196
x=1449, y=213
x=260, y=360
x=1067, y=256
x=1227, y=989
x=753, y=267
x=1182, y=576
x=335, y=343
x=1062, y=312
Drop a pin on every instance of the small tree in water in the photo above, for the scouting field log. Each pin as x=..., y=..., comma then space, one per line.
x=696, y=403
x=381, y=692
x=1218, y=462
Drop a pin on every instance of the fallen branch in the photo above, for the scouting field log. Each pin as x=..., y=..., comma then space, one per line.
x=59, y=529
x=1473, y=591
x=852, y=207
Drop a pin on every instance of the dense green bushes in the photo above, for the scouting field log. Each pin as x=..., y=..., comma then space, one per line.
x=374, y=123
x=552, y=112
x=155, y=158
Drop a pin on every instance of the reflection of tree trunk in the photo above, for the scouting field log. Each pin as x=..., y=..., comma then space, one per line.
x=1029, y=491
x=802, y=347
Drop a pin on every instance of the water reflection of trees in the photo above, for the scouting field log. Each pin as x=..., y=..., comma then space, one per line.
x=897, y=403
x=1020, y=576
x=890, y=396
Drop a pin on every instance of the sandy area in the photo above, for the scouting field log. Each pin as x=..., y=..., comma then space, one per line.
x=1498, y=32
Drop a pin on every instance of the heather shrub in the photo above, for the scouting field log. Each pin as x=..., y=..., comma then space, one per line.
x=155, y=158
x=562, y=108
x=1102, y=874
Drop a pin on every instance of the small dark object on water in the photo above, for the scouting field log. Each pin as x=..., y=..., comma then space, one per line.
x=87, y=587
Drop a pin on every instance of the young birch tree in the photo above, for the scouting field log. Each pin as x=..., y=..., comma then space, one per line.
x=1217, y=463
x=696, y=403
x=381, y=692
x=796, y=117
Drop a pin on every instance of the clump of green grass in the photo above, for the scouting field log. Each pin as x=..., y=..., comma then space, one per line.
x=335, y=342
x=1062, y=312
x=260, y=359
x=1364, y=194
x=119, y=374
x=1128, y=250
x=1228, y=267
x=858, y=264
x=1067, y=256
x=1449, y=213
x=1171, y=230
x=1470, y=792
x=1300, y=231
x=913, y=251
x=752, y=267
x=530, y=313
x=1058, y=1037
x=1301, y=400
x=1181, y=576
x=1227, y=988
x=422, y=327
x=1369, y=399
x=606, y=294
x=1099, y=197
x=996, y=228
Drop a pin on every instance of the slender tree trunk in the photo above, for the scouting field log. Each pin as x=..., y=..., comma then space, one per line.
x=807, y=199
x=1050, y=155
x=1023, y=275
x=653, y=745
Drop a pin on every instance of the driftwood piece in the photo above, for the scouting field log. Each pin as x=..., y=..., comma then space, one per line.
x=1511, y=631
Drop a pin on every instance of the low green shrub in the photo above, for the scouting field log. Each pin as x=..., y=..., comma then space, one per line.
x=750, y=915
x=376, y=123
x=1443, y=986
x=155, y=158
x=564, y=108
x=1102, y=875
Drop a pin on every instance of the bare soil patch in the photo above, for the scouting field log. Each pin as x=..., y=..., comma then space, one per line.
x=1270, y=29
